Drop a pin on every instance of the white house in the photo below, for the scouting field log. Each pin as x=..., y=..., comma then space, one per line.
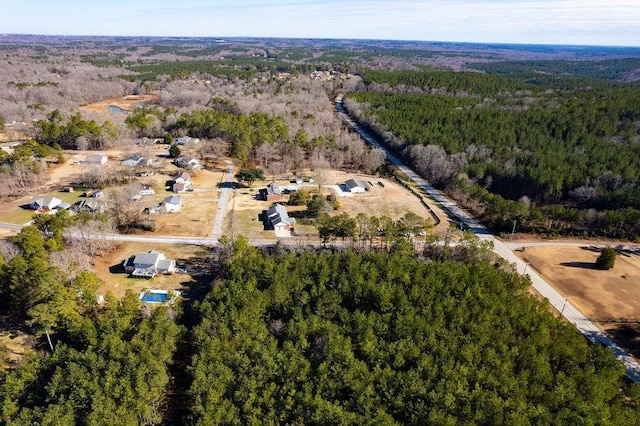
x=45, y=203
x=137, y=161
x=172, y=204
x=148, y=264
x=279, y=218
x=356, y=185
x=182, y=182
x=96, y=159
x=186, y=140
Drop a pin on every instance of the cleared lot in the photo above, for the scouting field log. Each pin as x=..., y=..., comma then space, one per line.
x=389, y=198
x=611, y=298
x=109, y=269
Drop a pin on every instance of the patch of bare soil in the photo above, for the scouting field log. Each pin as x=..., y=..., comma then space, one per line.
x=611, y=299
x=127, y=103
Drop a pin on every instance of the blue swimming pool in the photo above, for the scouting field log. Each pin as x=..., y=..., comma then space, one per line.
x=154, y=297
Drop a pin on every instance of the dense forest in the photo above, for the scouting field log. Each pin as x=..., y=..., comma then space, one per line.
x=313, y=337
x=348, y=338
x=573, y=146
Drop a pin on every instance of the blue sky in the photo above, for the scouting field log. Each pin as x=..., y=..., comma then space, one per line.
x=584, y=22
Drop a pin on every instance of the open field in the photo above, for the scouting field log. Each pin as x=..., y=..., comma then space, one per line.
x=611, y=299
x=109, y=268
x=199, y=206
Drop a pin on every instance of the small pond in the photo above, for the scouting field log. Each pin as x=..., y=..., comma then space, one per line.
x=113, y=108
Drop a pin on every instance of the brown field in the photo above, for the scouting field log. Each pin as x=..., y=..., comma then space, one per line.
x=391, y=200
x=199, y=206
x=609, y=298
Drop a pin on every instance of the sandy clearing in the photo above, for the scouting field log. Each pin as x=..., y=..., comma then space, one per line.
x=611, y=299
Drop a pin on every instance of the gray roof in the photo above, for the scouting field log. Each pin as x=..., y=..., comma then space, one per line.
x=90, y=204
x=45, y=202
x=277, y=214
x=94, y=158
x=353, y=183
x=273, y=188
x=173, y=199
x=147, y=258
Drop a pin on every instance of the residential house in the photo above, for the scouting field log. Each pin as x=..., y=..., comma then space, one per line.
x=271, y=192
x=279, y=219
x=145, y=141
x=89, y=205
x=148, y=264
x=42, y=204
x=356, y=185
x=186, y=162
x=184, y=140
x=182, y=182
x=137, y=161
x=96, y=159
x=172, y=204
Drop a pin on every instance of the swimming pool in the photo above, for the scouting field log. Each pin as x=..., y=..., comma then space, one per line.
x=157, y=296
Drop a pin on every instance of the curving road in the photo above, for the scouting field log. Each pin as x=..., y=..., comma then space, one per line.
x=573, y=315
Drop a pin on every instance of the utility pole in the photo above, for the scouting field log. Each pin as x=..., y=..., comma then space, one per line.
x=565, y=304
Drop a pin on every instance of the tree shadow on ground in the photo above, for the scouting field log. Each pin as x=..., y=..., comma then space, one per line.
x=627, y=335
x=583, y=265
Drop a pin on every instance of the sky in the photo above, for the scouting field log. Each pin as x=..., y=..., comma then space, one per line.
x=578, y=22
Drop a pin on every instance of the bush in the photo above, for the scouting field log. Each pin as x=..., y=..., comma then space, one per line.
x=606, y=259
x=299, y=198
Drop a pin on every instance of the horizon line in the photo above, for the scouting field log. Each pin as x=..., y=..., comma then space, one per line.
x=480, y=43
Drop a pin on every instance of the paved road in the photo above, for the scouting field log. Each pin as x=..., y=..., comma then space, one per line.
x=558, y=301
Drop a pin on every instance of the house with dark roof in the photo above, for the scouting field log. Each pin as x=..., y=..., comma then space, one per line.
x=90, y=205
x=148, y=264
x=279, y=219
x=271, y=192
x=355, y=185
x=187, y=162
